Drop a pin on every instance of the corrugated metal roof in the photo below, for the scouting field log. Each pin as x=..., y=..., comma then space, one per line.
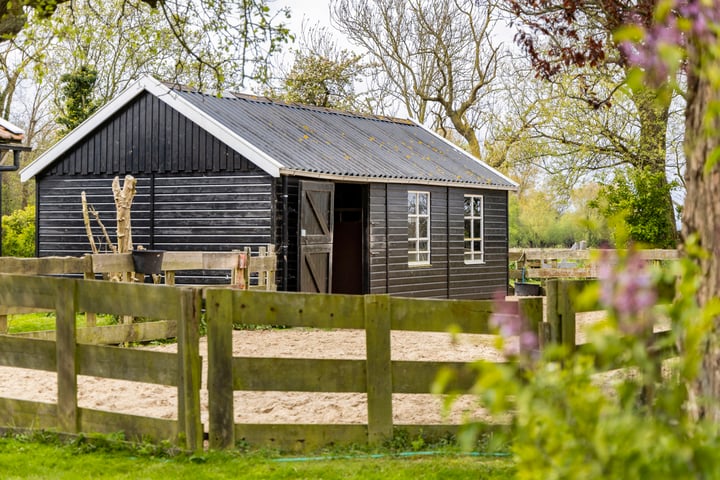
x=329, y=142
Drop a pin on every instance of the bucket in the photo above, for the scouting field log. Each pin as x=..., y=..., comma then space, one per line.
x=527, y=289
x=147, y=261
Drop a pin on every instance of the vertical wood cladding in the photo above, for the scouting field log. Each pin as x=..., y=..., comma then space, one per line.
x=147, y=137
x=447, y=276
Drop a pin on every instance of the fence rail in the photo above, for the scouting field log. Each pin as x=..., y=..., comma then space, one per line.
x=546, y=263
x=377, y=375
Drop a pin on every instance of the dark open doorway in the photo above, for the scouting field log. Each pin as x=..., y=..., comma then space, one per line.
x=349, y=239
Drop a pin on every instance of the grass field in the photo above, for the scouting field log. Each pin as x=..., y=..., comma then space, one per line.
x=36, y=322
x=30, y=458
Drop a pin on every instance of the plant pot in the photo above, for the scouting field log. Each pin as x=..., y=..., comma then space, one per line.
x=527, y=289
x=147, y=261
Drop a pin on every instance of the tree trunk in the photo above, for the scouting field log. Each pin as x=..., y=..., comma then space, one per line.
x=701, y=217
x=653, y=112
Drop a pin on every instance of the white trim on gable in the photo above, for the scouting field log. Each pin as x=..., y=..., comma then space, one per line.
x=484, y=165
x=166, y=95
x=10, y=127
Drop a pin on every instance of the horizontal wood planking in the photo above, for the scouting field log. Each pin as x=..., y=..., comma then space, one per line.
x=144, y=366
x=298, y=375
x=134, y=427
x=300, y=437
x=588, y=254
x=297, y=309
x=44, y=266
x=26, y=414
x=429, y=315
x=28, y=353
x=115, y=334
x=418, y=377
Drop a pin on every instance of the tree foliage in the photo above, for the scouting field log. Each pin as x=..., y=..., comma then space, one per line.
x=574, y=46
x=76, y=97
x=634, y=200
x=18, y=232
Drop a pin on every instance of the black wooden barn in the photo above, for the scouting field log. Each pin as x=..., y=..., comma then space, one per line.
x=354, y=204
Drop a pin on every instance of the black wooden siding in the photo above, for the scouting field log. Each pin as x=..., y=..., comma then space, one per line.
x=447, y=276
x=193, y=191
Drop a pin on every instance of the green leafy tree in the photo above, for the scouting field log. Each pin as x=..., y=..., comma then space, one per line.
x=635, y=199
x=76, y=97
x=18, y=233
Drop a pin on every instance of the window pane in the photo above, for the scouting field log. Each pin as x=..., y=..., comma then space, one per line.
x=477, y=246
x=477, y=203
x=423, y=246
x=423, y=200
x=423, y=232
x=424, y=257
x=477, y=229
x=412, y=257
x=468, y=233
x=412, y=202
x=412, y=246
x=468, y=246
x=412, y=227
x=468, y=201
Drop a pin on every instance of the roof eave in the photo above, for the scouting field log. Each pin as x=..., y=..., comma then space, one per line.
x=512, y=182
x=379, y=179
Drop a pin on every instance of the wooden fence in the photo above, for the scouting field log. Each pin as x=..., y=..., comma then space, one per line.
x=377, y=375
x=546, y=263
x=241, y=265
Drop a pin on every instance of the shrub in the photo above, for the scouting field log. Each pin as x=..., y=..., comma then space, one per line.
x=18, y=233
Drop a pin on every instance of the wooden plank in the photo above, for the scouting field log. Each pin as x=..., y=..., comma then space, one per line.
x=418, y=377
x=139, y=300
x=45, y=265
x=115, y=334
x=432, y=433
x=298, y=374
x=182, y=261
x=220, y=260
x=219, y=304
x=28, y=291
x=112, y=262
x=429, y=315
x=27, y=414
x=298, y=309
x=301, y=437
x=190, y=369
x=66, y=348
x=263, y=264
x=135, y=365
x=28, y=353
x=578, y=272
x=379, y=368
x=135, y=428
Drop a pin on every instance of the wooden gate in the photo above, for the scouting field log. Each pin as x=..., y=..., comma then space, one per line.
x=316, y=236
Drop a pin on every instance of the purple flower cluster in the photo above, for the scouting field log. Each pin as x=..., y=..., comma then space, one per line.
x=509, y=322
x=688, y=19
x=627, y=291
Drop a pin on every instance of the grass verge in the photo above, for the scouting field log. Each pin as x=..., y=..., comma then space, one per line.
x=45, y=456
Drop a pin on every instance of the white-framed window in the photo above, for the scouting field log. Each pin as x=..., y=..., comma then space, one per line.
x=474, y=230
x=418, y=228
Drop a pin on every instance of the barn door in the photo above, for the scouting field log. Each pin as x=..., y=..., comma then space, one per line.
x=316, y=236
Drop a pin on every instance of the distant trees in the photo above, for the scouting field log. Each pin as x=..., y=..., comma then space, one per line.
x=436, y=58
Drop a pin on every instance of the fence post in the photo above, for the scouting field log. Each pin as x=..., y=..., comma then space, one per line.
x=567, y=291
x=66, y=354
x=551, y=309
x=190, y=368
x=531, y=309
x=221, y=420
x=379, y=368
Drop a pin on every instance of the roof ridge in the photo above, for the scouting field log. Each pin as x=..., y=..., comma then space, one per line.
x=265, y=99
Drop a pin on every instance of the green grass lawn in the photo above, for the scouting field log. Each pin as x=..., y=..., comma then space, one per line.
x=31, y=459
x=36, y=322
